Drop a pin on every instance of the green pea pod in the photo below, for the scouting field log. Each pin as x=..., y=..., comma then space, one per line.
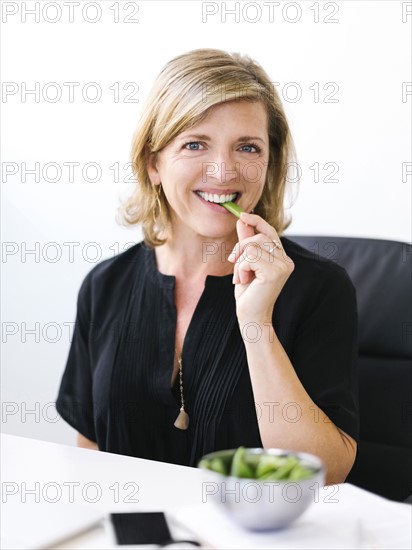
x=239, y=467
x=267, y=476
x=233, y=208
x=252, y=460
x=269, y=464
x=284, y=471
x=300, y=472
x=218, y=466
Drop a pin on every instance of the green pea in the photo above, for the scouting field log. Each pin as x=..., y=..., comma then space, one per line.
x=233, y=208
x=269, y=464
x=300, y=472
x=239, y=467
x=252, y=460
x=283, y=471
x=267, y=476
x=218, y=466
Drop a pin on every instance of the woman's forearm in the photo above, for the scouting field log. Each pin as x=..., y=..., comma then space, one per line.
x=287, y=416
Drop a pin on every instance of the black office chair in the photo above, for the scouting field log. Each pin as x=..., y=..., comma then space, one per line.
x=381, y=272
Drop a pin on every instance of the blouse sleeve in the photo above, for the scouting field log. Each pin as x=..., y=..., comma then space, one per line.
x=75, y=402
x=325, y=351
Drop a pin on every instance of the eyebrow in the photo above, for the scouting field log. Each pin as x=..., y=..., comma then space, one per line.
x=204, y=137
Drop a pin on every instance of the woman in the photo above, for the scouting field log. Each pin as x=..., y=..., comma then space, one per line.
x=213, y=332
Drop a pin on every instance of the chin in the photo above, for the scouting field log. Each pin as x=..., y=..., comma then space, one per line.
x=218, y=234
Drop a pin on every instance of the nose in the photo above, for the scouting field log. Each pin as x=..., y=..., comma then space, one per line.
x=222, y=169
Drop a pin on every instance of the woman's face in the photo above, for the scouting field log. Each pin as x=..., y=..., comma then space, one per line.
x=222, y=158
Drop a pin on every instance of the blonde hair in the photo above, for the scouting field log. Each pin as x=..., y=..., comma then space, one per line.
x=185, y=89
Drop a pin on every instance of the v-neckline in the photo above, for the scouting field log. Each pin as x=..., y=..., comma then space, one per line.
x=167, y=344
x=184, y=353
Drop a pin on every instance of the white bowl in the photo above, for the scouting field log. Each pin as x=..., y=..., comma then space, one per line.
x=260, y=505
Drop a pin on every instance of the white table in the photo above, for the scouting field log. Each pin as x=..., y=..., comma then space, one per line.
x=122, y=484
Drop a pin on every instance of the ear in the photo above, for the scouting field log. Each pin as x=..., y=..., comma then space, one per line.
x=151, y=166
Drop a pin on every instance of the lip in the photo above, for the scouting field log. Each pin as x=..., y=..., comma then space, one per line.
x=213, y=205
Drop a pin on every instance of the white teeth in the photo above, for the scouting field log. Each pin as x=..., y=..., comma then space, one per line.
x=210, y=197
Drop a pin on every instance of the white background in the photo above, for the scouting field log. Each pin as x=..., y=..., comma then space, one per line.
x=364, y=53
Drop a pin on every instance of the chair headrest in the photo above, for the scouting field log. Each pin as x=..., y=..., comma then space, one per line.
x=381, y=272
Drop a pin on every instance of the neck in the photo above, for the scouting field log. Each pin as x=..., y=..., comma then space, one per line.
x=195, y=260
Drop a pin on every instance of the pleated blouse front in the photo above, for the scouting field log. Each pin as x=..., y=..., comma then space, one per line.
x=116, y=386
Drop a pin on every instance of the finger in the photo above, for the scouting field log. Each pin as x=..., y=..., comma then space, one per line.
x=262, y=227
x=245, y=274
x=250, y=253
x=244, y=231
x=247, y=267
x=260, y=245
x=259, y=224
x=242, y=277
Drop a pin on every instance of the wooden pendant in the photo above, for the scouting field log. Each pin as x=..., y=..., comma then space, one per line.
x=182, y=421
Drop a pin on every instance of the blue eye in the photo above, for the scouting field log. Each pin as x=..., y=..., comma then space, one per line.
x=192, y=145
x=251, y=148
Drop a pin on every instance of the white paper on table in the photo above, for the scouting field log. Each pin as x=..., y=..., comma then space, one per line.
x=385, y=524
x=355, y=518
x=313, y=530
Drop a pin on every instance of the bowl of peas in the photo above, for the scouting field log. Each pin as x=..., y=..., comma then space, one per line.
x=262, y=489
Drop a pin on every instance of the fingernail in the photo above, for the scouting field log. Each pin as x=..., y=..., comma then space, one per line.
x=231, y=256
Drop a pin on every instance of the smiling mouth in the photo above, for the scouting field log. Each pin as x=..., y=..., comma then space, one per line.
x=218, y=199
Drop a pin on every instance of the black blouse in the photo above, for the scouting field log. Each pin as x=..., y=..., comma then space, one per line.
x=116, y=386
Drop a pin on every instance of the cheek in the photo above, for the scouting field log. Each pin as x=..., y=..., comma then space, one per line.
x=254, y=174
x=186, y=168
